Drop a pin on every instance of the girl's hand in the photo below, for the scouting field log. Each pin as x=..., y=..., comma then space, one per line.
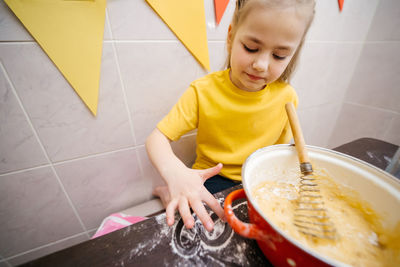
x=185, y=185
x=187, y=191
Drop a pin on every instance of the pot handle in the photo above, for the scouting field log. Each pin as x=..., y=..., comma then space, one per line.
x=248, y=230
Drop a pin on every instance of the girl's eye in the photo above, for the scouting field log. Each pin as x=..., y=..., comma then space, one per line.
x=279, y=57
x=249, y=49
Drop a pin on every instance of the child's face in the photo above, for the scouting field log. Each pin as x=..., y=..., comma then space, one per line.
x=263, y=46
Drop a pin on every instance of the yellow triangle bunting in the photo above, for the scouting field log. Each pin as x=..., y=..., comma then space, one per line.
x=187, y=20
x=71, y=34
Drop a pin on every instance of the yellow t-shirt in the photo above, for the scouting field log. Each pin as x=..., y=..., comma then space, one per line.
x=231, y=123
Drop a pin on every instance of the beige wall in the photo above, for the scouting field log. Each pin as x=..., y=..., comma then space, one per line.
x=62, y=170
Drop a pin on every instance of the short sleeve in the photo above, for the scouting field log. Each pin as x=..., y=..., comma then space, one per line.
x=182, y=118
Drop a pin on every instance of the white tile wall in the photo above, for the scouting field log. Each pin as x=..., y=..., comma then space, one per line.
x=318, y=123
x=352, y=24
x=356, y=121
x=34, y=211
x=127, y=19
x=10, y=27
x=325, y=72
x=386, y=23
x=168, y=67
x=63, y=124
x=372, y=101
x=380, y=62
x=112, y=181
x=59, y=162
x=18, y=144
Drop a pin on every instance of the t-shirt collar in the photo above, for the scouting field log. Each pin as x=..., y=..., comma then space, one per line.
x=243, y=92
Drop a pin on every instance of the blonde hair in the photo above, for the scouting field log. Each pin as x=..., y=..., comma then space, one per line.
x=243, y=8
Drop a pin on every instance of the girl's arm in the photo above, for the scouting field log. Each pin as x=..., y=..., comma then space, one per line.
x=185, y=185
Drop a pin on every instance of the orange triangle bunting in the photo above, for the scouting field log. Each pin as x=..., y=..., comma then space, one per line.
x=341, y=4
x=220, y=6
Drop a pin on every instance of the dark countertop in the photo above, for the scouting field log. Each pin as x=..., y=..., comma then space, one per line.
x=373, y=151
x=152, y=242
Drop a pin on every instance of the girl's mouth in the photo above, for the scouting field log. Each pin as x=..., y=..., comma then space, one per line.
x=253, y=77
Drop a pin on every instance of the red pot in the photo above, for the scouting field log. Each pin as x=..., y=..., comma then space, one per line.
x=379, y=188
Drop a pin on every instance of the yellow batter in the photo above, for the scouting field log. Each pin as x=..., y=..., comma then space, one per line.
x=360, y=239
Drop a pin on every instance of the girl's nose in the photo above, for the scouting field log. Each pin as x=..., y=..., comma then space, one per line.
x=261, y=63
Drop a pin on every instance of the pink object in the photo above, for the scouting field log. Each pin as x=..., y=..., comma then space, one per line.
x=116, y=221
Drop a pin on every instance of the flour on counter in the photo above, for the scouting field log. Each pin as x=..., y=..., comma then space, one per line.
x=178, y=246
x=217, y=246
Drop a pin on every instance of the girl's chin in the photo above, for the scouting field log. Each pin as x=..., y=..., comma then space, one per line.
x=245, y=84
x=252, y=87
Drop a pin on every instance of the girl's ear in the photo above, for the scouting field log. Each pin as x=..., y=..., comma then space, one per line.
x=229, y=38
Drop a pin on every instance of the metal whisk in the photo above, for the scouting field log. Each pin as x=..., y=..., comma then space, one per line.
x=310, y=216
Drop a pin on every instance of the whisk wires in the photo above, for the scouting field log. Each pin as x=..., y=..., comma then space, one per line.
x=311, y=217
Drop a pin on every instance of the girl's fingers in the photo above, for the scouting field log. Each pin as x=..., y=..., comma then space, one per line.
x=198, y=207
x=170, y=211
x=210, y=172
x=186, y=215
x=210, y=200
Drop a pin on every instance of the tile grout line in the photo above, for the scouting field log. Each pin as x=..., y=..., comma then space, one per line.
x=95, y=155
x=44, y=246
x=85, y=157
x=24, y=170
x=121, y=82
x=42, y=147
x=17, y=42
x=371, y=107
x=322, y=105
x=123, y=89
x=94, y=229
x=72, y=160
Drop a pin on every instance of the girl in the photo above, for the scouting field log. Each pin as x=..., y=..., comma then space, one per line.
x=235, y=111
